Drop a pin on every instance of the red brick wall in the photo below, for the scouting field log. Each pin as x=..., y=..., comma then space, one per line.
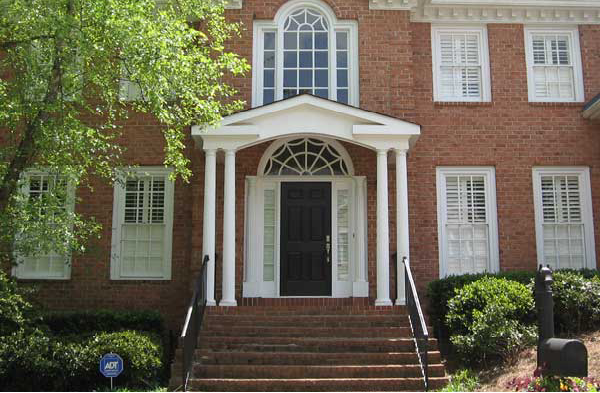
x=509, y=134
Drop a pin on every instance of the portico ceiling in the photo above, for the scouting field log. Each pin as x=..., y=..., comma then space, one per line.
x=308, y=115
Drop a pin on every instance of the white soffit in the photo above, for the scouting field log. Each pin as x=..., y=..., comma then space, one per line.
x=308, y=115
x=496, y=11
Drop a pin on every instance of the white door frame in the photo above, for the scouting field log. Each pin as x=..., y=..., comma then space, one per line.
x=355, y=286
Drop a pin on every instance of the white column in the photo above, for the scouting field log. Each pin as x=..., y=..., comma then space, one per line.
x=251, y=263
x=383, y=233
x=208, y=231
x=401, y=221
x=229, y=232
x=360, y=287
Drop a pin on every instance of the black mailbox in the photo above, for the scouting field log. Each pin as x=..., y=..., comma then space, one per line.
x=556, y=356
x=563, y=357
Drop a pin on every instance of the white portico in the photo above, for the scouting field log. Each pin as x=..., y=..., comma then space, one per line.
x=306, y=214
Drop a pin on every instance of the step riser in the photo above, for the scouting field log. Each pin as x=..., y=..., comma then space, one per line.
x=307, y=332
x=310, y=348
x=299, y=358
x=274, y=372
x=349, y=385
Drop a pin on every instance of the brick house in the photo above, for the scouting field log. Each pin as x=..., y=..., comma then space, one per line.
x=461, y=134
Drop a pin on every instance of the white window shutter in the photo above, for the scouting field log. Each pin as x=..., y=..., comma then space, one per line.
x=554, y=70
x=459, y=68
x=563, y=224
x=466, y=224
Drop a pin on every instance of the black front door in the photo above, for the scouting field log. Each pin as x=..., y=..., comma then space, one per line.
x=305, y=239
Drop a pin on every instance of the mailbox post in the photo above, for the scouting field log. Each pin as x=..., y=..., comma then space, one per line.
x=555, y=356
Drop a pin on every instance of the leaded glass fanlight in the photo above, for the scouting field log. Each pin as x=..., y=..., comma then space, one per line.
x=306, y=157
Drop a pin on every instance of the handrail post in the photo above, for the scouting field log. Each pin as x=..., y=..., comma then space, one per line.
x=417, y=322
x=192, y=324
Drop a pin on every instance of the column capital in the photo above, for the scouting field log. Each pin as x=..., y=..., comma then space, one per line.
x=230, y=152
x=401, y=152
x=210, y=152
x=381, y=152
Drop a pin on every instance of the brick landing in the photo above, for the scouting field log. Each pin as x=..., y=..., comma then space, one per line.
x=292, y=347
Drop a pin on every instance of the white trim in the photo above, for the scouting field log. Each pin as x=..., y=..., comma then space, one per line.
x=557, y=12
x=573, y=33
x=118, y=219
x=308, y=115
x=586, y=209
x=355, y=285
x=276, y=25
x=481, y=32
x=491, y=212
x=271, y=289
x=17, y=271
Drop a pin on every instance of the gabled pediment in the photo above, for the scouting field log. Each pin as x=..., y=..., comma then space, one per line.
x=308, y=115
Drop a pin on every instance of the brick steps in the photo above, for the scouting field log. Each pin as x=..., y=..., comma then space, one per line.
x=310, y=372
x=306, y=321
x=308, y=358
x=315, y=385
x=308, y=349
x=308, y=344
x=214, y=330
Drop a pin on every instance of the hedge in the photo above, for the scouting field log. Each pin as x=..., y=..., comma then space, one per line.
x=89, y=321
x=576, y=304
x=33, y=361
x=491, y=319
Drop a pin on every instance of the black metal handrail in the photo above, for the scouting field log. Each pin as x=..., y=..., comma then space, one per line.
x=417, y=322
x=193, y=321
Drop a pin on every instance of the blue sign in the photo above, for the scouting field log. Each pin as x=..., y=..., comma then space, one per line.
x=111, y=365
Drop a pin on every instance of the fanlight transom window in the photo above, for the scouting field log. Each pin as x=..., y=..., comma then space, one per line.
x=306, y=157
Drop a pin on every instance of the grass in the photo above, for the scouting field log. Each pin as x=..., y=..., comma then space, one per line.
x=462, y=381
x=496, y=379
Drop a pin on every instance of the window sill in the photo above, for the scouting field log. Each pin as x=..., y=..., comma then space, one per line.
x=463, y=103
x=556, y=103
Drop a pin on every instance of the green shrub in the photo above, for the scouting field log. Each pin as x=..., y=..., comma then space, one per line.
x=141, y=355
x=90, y=321
x=16, y=311
x=439, y=293
x=35, y=361
x=491, y=319
x=576, y=302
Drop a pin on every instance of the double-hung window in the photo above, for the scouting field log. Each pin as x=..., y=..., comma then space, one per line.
x=143, y=225
x=467, y=224
x=461, y=70
x=48, y=265
x=305, y=50
x=563, y=217
x=553, y=64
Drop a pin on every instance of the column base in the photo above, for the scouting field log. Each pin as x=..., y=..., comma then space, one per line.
x=228, y=303
x=400, y=302
x=383, y=302
x=211, y=303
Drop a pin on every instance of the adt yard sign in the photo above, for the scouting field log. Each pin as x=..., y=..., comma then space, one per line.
x=111, y=365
